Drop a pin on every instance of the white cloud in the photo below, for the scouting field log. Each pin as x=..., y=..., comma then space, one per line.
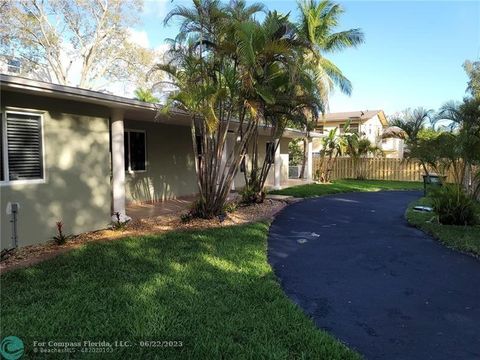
x=139, y=37
x=157, y=8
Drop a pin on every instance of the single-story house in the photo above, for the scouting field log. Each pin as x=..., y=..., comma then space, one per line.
x=369, y=123
x=79, y=156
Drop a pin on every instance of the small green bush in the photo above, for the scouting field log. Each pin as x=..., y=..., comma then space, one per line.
x=250, y=196
x=60, y=238
x=453, y=206
x=186, y=217
x=230, y=207
x=195, y=211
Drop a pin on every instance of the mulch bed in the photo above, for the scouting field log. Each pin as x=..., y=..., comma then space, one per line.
x=33, y=254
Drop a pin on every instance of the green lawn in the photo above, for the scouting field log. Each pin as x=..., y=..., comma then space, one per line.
x=462, y=238
x=343, y=186
x=211, y=289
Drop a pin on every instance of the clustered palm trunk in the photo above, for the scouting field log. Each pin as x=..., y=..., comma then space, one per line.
x=359, y=148
x=236, y=76
x=333, y=146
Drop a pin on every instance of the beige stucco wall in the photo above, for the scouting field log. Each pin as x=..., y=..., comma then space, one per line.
x=77, y=185
x=77, y=168
x=170, y=166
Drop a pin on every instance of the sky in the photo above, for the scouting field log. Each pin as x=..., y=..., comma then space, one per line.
x=412, y=55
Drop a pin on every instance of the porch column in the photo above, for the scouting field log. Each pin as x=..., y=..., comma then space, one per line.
x=309, y=160
x=277, y=166
x=118, y=164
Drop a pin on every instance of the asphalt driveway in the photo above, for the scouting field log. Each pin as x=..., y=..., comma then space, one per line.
x=361, y=272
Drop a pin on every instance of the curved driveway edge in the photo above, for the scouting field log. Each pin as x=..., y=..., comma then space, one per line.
x=386, y=289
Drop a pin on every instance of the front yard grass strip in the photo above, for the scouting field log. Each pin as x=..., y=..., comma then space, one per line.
x=212, y=289
x=344, y=186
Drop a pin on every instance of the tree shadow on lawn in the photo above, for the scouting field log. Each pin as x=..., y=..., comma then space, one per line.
x=212, y=289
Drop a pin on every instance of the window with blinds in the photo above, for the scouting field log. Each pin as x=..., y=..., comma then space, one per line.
x=22, y=142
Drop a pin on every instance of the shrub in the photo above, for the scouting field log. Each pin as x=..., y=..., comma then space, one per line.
x=119, y=224
x=250, y=196
x=60, y=238
x=195, y=211
x=230, y=207
x=453, y=206
x=6, y=253
x=186, y=217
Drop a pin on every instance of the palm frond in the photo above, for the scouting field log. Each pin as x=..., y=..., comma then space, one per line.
x=343, y=40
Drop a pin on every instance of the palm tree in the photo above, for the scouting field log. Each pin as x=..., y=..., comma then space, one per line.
x=228, y=66
x=333, y=147
x=358, y=148
x=408, y=125
x=145, y=95
x=411, y=122
x=277, y=88
x=316, y=28
x=210, y=65
x=316, y=31
x=465, y=122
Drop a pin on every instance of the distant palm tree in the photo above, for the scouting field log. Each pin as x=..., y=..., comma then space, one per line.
x=316, y=31
x=411, y=122
x=145, y=95
x=358, y=148
x=333, y=147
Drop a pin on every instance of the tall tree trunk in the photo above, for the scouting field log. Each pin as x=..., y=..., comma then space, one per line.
x=304, y=159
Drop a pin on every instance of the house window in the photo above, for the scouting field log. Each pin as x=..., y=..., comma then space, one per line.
x=320, y=129
x=270, y=152
x=135, y=150
x=354, y=128
x=341, y=128
x=21, y=147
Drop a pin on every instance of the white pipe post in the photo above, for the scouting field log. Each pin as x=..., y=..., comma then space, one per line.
x=277, y=166
x=309, y=160
x=223, y=162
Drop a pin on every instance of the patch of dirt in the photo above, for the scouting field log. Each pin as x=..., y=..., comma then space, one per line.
x=33, y=254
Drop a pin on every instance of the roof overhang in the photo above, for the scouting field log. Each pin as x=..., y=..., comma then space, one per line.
x=133, y=109
x=41, y=88
x=353, y=116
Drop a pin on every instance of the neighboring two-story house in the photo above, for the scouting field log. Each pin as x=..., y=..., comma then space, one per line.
x=369, y=123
